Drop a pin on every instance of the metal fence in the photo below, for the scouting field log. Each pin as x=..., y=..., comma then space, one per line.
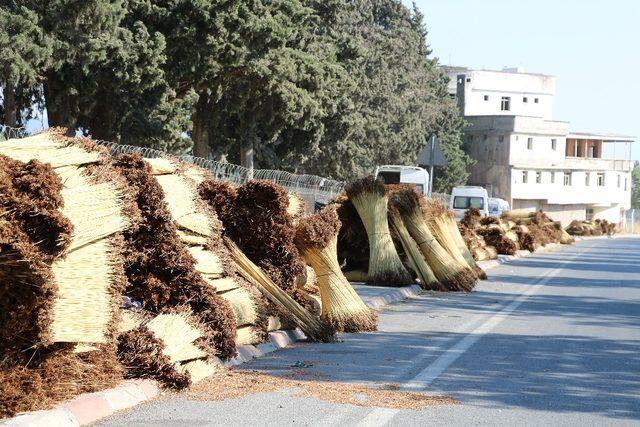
x=314, y=189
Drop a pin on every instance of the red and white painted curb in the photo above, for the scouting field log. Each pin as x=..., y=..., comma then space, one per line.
x=90, y=407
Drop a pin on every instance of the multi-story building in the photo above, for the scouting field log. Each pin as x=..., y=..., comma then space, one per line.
x=525, y=157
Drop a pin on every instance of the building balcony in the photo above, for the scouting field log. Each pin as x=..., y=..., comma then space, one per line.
x=589, y=163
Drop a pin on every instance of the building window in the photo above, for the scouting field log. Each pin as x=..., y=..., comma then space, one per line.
x=501, y=138
x=535, y=100
x=538, y=177
x=619, y=180
x=529, y=143
x=589, y=214
x=486, y=97
x=553, y=177
x=505, y=105
x=525, y=99
x=625, y=184
x=525, y=177
x=554, y=143
x=468, y=80
x=567, y=178
x=587, y=178
x=601, y=179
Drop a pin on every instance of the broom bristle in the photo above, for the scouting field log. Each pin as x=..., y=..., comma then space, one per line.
x=341, y=306
x=311, y=326
x=370, y=199
x=450, y=273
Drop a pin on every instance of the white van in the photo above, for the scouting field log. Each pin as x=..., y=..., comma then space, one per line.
x=465, y=197
x=394, y=174
x=497, y=206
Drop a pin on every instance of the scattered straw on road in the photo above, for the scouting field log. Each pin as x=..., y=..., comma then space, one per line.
x=236, y=384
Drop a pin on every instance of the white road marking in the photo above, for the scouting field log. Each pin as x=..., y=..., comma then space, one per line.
x=382, y=416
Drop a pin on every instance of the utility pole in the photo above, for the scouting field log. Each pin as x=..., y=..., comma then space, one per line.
x=431, y=162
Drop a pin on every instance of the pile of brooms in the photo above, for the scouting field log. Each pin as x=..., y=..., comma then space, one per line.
x=204, y=266
x=392, y=236
x=598, y=227
x=488, y=236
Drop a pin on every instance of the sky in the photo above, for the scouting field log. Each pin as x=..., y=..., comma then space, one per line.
x=591, y=47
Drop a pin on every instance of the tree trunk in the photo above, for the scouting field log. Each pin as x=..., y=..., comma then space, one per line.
x=246, y=152
x=58, y=105
x=200, y=134
x=10, y=107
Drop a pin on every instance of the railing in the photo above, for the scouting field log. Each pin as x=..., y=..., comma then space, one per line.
x=592, y=162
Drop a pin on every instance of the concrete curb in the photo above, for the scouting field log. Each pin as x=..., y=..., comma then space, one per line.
x=90, y=407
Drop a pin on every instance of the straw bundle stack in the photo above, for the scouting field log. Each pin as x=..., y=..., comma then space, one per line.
x=369, y=196
x=200, y=229
x=471, y=218
x=61, y=270
x=161, y=270
x=419, y=265
x=89, y=204
x=452, y=274
x=163, y=347
x=342, y=308
x=257, y=217
x=314, y=328
x=443, y=225
x=476, y=244
x=506, y=243
x=526, y=239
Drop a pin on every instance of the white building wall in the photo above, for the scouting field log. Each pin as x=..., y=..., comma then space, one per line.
x=483, y=92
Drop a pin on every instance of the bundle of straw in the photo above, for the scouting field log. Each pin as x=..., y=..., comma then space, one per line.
x=450, y=273
x=427, y=278
x=369, y=197
x=313, y=328
x=353, y=243
x=526, y=240
x=163, y=347
x=443, y=225
x=342, y=308
x=41, y=378
x=495, y=236
x=471, y=218
x=89, y=204
x=160, y=270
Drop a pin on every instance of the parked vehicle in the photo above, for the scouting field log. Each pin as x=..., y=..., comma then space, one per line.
x=395, y=174
x=497, y=206
x=465, y=197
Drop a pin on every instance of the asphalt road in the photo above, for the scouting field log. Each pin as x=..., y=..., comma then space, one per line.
x=552, y=339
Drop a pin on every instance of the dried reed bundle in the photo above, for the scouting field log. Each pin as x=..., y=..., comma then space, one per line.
x=353, y=243
x=495, y=236
x=341, y=307
x=221, y=197
x=249, y=335
x=370, y=199
x=161, y=271
x=442, y=224
x=450, y=273
x=471, y=218
x=310, y=325
x=525, y=238
x=297, y=208
x=52, y=147
x=44, y=377
x=179, y=330
x=197, y=370
x=428, y=280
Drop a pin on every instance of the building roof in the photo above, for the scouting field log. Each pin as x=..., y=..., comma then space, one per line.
x=605, y=137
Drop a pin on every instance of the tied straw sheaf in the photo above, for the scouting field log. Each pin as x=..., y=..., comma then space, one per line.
x=369, y=196
x=317, y=239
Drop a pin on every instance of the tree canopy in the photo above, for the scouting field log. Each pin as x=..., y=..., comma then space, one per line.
x=330, y=87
